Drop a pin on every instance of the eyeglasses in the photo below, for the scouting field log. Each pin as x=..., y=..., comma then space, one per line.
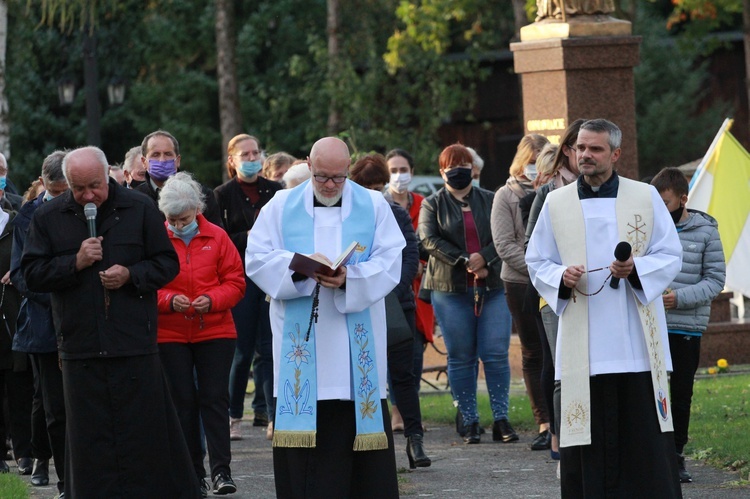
x=339, y=179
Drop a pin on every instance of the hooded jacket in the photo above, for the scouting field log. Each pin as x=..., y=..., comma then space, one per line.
x=702, y=275
x=210, y=266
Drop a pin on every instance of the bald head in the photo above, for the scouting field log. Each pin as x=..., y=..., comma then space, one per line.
x=330, y=150
x=329, y=161
x=87, y=172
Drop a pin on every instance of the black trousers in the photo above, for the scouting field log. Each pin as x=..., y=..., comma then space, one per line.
x=49, y=377
x=333, y=468
x=629, y=457
x=686, y=352
x=531, y=349
x=206, y=363
x=403, y=382
x=19, y=386
x=547, y=378
x=123, y=435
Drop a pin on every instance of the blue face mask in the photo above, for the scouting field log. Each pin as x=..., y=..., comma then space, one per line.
x=249, y=169
x=3, y=182
x=47, y=196
x=187, y=231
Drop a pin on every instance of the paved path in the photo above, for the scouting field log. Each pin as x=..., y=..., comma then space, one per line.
x=458, y=471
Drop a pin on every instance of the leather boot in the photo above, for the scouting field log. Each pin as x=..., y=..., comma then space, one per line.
x=415, y=452
x=40, y=473
x=472, y=434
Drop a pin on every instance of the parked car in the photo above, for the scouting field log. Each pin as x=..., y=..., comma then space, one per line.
x=426, y=185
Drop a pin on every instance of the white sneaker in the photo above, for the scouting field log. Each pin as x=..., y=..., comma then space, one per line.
x=269, y=431
x=235, y=429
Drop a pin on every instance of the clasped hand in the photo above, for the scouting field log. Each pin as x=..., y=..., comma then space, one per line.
x=336, y=280
x=90, y=252
x=181, y=304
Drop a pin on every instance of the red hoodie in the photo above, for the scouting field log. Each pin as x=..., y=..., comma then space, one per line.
x=211, y=266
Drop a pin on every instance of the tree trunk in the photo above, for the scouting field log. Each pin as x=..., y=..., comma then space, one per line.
x=4, y=120
x=746, y=29
x=91, y=85
x=230, y=115
x=334, y=117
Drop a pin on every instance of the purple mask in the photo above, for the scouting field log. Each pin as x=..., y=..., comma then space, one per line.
x=161, y=170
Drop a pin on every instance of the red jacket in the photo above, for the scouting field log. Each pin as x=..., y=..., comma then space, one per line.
x=209, y=266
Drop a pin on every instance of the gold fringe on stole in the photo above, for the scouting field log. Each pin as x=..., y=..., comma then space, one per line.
x=371, y=441
x=305, y=439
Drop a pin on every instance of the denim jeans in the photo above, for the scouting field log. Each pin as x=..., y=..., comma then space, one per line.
x=469, y=338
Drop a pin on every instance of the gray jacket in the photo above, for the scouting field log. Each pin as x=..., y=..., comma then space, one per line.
x=702, y=275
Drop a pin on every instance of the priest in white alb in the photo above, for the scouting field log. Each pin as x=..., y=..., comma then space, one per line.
x=602, y=253
x=332, y=435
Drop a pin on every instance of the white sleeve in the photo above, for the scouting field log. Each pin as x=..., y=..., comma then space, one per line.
x=368, y=282
x=267, y=265
x=544, y=262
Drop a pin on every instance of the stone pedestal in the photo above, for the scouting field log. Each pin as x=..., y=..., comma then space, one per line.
x=564, y=79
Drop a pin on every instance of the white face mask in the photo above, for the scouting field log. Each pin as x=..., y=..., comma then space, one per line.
x=400, y=181
x=530, y=171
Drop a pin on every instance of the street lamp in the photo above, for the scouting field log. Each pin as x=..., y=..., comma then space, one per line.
x=66, y=91
x=116, y=91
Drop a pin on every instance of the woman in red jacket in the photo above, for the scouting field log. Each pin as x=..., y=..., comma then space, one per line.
x=196, y=332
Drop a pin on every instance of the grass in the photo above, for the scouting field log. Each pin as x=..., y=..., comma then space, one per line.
x=12, y=487
x=439, y=409
x=719, y=422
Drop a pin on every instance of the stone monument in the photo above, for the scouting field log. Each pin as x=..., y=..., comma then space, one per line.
x=576, y=61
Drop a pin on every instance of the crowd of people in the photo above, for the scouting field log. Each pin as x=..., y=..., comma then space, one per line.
x=136, y=302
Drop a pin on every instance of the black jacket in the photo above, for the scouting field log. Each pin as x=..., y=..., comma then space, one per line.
x=237, y=213
x=441, y=230
x=35, y=331
x=409, y=258
x=211, y=212
x=133, y=236
x=10, y=301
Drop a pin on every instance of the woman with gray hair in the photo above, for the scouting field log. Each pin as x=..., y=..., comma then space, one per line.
x=196, y=332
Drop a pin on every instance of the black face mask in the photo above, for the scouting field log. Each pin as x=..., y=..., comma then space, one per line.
x=135, y=183
x=458, y=178
x=676, y=214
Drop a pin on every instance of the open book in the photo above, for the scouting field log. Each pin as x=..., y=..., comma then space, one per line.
x=308, y=264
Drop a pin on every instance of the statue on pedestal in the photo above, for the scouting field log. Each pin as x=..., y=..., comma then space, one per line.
x=574, y=18
x=553, y=8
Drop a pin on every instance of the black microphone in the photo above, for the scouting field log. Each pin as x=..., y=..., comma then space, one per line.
x=622, y=253
x=90, y=211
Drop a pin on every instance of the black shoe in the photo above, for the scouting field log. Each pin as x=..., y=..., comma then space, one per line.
x=260, y=419
x=685, y=477
x=543, y=441
x=40, y=473
x=502, y=431
x=415, y=452
x=204, y=487
x=472, y=434
x=223, y=484
x=24, y=465
x=460, y=428
x=4, y=467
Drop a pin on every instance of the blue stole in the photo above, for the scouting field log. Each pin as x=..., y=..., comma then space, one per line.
x=296, y=407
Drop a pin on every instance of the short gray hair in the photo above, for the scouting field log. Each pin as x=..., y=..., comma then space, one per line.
x=179, y=194
x=101, y=158
x=296, y=174
x=130, y=156
x=476, y=159
x=600, y=125
x=52, y=171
